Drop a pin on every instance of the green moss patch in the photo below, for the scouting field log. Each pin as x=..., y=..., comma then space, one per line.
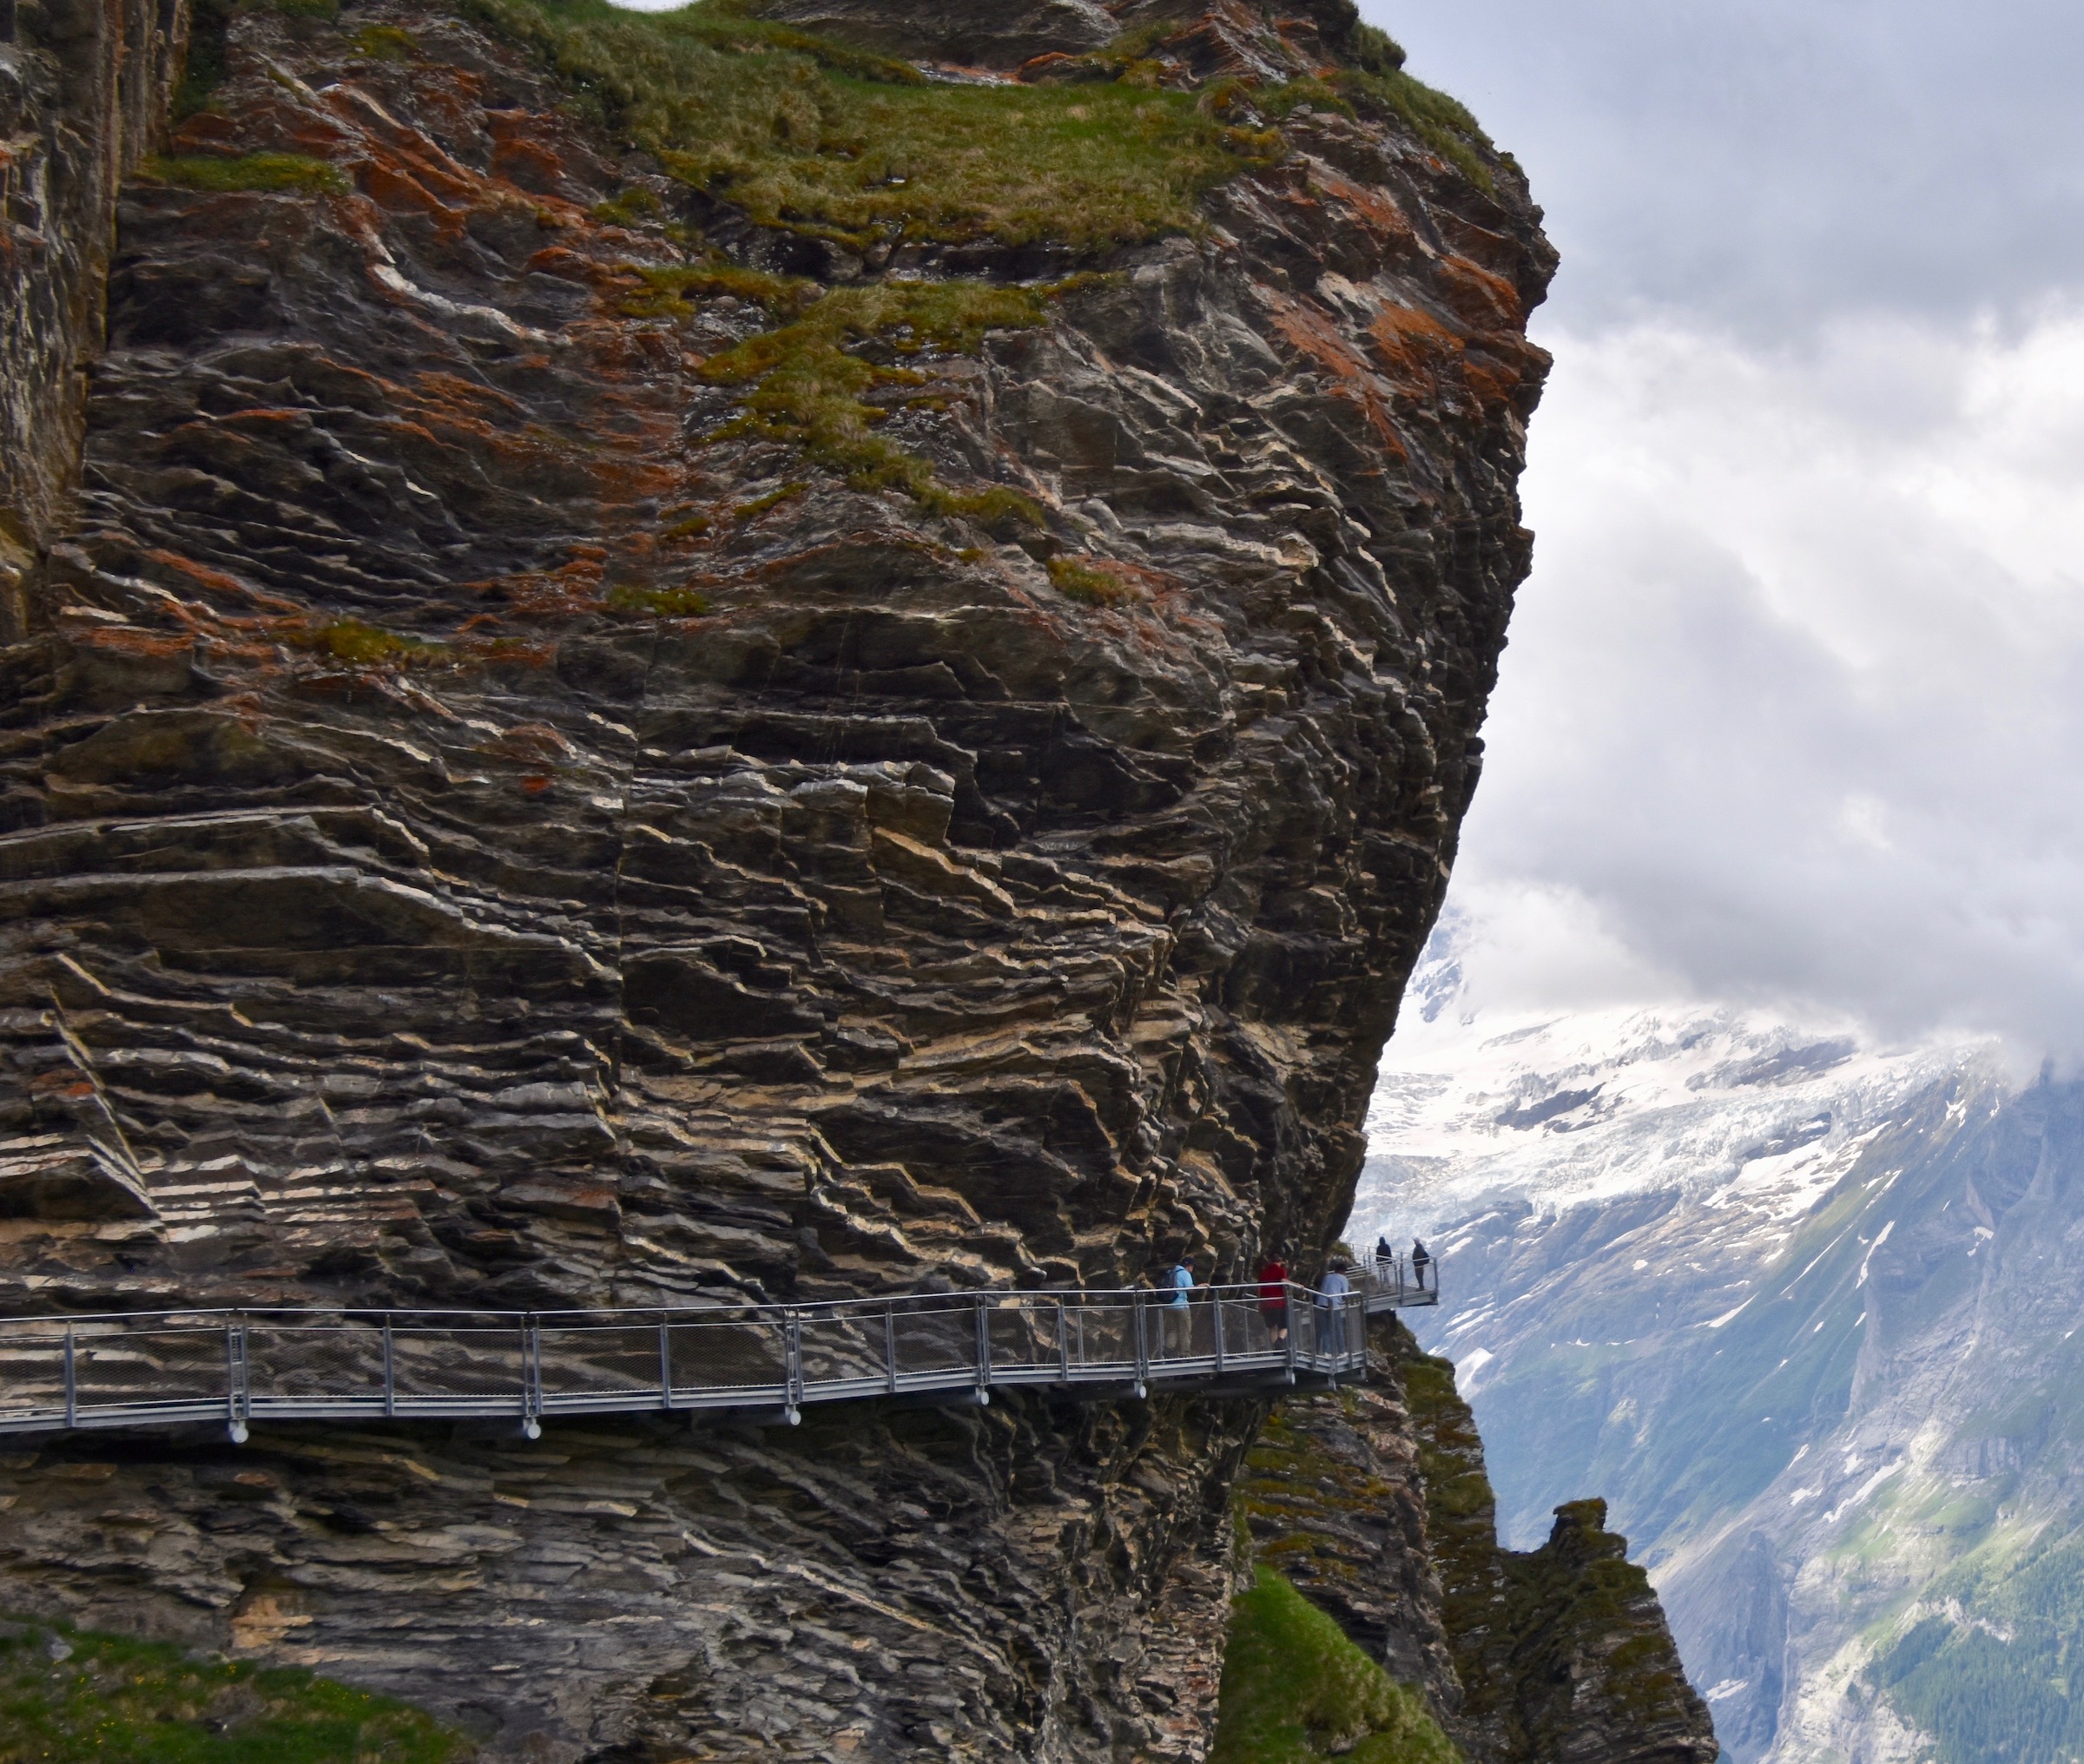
x=387, y=42
x=658, y=603
x=818, y=138
x=369, y=646
x=1094, y=584
x=1295, y=1690
x=808, y=382
x=70, y=1696
x=257, y=171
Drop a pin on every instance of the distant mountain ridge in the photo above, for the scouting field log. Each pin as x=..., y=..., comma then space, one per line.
x=1806, y=1311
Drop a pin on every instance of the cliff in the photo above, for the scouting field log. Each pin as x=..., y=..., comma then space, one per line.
x=712, y=657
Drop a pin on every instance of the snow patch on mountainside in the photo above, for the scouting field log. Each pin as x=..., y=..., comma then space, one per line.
x=1743, y=1111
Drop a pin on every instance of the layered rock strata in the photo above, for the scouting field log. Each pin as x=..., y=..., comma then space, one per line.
x=486, y=825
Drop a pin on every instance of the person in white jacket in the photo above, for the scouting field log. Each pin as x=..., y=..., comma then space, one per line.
x=1331, y=1304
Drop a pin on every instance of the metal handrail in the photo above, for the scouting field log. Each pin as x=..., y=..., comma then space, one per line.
x=242, y=1365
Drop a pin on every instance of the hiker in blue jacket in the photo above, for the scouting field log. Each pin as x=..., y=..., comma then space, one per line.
x=1183, y=1283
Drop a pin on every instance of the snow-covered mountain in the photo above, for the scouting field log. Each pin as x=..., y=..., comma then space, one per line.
x=1758, y=1112
x=1801, y=1307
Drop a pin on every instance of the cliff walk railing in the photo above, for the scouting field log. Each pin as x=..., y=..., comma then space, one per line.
x=156, y=1369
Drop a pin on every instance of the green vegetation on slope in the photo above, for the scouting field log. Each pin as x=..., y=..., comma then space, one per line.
x=70, y=1696
x=818, y=140
x=1441, y=122
x=257, y=171
x=804, y=381
x=2010, y=1684
x=1295, y=1690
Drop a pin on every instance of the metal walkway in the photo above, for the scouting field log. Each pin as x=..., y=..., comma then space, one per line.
x=764, y=1362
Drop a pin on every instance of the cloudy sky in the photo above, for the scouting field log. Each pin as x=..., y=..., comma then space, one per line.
x=1793, y=711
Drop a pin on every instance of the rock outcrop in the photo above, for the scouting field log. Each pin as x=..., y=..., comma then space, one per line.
x=1561, y=1652
x=1373, y=1500
x=511, y=799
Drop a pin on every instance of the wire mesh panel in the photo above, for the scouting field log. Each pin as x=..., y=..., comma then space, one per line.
x=1027, y=1335
x=430, y=1362
x=32, y=1374
x=936, y=1337
x=133, y=1367
x=843, y=1346
x=1305, y=1321
x=340, y=1363
x=1103, y=1337
x=1325, y=1330
x=1174, y=1330
x=746, y=1353
x=1248, y=1327
x=600, y=1359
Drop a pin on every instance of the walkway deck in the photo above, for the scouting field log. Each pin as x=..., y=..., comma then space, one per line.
x=156, y=1369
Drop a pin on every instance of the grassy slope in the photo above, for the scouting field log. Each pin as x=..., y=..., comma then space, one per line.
x=1295, y=1690
x=68, y=1696
x=807, y=136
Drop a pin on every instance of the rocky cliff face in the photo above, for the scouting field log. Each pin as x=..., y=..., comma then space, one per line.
x=598, y=732
x=83, y=91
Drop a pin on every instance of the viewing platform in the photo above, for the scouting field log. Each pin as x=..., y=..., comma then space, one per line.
x=762, y=1362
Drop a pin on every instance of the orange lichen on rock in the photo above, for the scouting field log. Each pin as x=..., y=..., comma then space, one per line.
x=1315, y=335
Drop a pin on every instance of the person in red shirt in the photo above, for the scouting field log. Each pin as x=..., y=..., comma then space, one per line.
x=1273, y=1300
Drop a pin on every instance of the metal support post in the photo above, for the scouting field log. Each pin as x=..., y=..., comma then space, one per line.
x=1215, y=1300
x=792, y=1368
x=1063, y=1341
x=72, y=1382
x=237, y=1400
x=531, y=1379
x=665, y=1366
x=1293, y=1320
x=1143, y=1350
x=890, y=1346
x=984, y=1350
x=390, y=1370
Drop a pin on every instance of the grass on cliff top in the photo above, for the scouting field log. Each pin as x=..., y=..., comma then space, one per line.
x=105, y=1700
x=1443, y=123
x=829, y=141
x=1296, y=1691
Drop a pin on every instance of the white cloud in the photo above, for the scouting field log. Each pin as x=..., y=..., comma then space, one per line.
x=1771, y=161
x=1791, y=711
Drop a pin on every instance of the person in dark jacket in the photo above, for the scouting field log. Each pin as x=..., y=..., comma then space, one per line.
x=1385, y=1259
x=1420, y=1261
